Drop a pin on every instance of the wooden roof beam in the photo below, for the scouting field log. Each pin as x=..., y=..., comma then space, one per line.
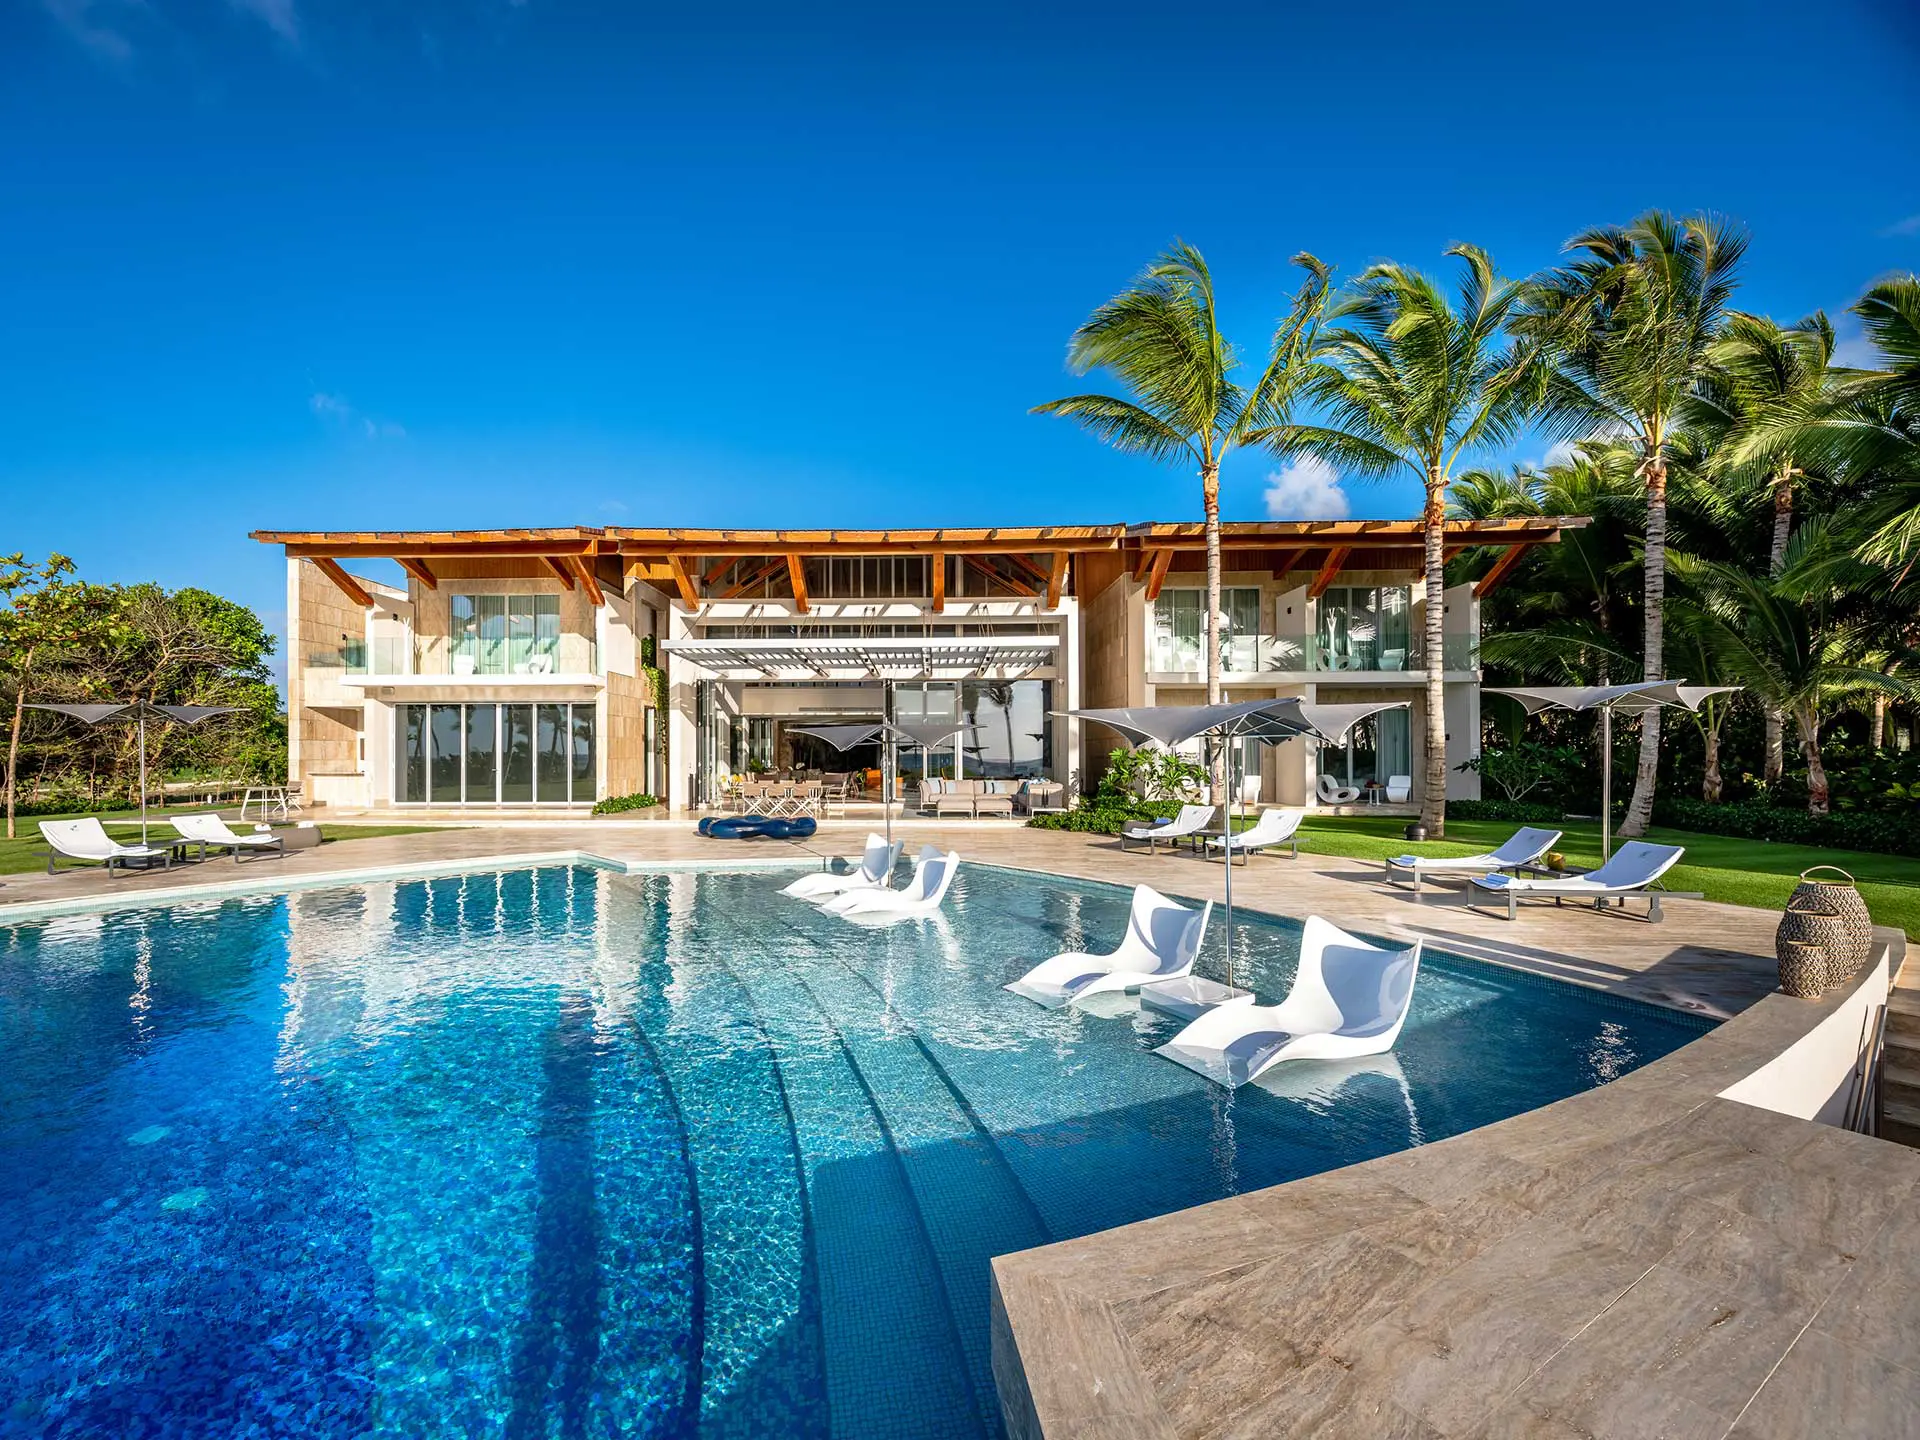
x=1012, y=582
x=346, y=584
x=1142, y=563
x=797, y=573
x=683, y=582
x=736, y=591
x=1057, y=581
x=1336, y=557
x=1157, y=576
x=1484, y=585
x=939, y=563
x=716, y=570
x=441, y=549
x=560, y=571
x=588, y=582
x=418, y=569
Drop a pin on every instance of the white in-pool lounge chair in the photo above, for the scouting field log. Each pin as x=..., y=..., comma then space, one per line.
x=87, y=839
x=1332, y=792
x=1191, y=820
x=875, y=867
x=1274, y=827
x=923, y=893
x=205, y=830
x=1634, y=868
x=1523, y=847
x=1349, y=998
x=1161, y=943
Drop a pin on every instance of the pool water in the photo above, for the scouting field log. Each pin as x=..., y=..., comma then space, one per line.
x=563, y=1152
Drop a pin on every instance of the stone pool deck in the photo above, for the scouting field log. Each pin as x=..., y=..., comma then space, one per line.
x=1645, y=1259
x=1712, y=960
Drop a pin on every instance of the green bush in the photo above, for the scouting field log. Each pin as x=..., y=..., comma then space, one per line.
x=614, y=804
x=1877, y=831
x=1519, y=812
x=1107, y=814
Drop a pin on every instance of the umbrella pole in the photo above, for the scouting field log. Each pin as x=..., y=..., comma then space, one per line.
x=1226, y=855
x=1606, y=783
x=143, y=777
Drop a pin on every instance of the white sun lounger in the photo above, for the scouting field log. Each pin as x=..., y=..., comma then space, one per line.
x=875, y=867
x=205, y=830
x=1634, y=868
x=1191, y=820
x=922, y=894
x=1274, y=827
x=1162, y=940
x=1349, y=998
x=1523, y=847
x=87, y=839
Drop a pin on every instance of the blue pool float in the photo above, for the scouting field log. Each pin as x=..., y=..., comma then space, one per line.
x=757, y=827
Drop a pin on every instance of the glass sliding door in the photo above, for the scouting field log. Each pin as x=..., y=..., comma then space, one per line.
x=449, y=748
x=550, y=766
x=410, y=753
x=483, y=741
x=585, y=780
x=516, y=754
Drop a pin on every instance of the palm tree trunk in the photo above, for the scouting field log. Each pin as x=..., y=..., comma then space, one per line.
x=1647, y=772
x=1433, y=796
x=1774, y=762
x=1808, y=723
x=1710, y=781
x=13, y=741
x=1877, y=724
x=1210, y=496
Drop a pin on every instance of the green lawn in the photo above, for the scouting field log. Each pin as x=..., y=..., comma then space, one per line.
x=19, y=854
x=1740, y=872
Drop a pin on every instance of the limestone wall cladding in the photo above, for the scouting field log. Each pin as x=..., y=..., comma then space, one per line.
x=624, y=734
x=323, y=716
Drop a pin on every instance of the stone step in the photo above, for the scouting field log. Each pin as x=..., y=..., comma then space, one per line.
x=1900, y=1077
x=1900, y=1121
x=1903, y=1014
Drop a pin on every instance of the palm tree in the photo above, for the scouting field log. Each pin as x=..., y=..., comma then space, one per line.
x=1161, y=338
x=1762, y=374
x=1630, y=323
x=1790, y=639
x=1407, y=379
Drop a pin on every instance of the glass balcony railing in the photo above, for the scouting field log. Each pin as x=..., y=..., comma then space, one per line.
x=1459, y=652
x=413, y=655
x=1239, y=654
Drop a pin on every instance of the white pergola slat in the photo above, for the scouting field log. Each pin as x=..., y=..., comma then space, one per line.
x=942, y=657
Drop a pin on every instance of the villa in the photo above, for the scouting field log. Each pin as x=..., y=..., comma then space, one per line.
x=511, y=668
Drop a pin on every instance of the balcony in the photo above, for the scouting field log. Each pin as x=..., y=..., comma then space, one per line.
x=433, y=660
x=1313, y=655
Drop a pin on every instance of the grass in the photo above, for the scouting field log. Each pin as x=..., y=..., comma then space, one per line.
x=1739, y=872
x=27, y=851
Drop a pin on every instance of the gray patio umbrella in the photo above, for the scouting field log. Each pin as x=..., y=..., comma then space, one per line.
x=925, y=734
x=1267, y=721
x=140, y=710
x=1634, y=699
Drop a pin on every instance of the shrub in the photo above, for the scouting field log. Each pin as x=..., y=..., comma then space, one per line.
x=614, y=804
x=1105, y=813
x=1878, y=831
x=1152, y=773
x=1520, y=812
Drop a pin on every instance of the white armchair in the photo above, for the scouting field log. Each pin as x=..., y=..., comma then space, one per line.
x=1331, y=792
x=1399, y=789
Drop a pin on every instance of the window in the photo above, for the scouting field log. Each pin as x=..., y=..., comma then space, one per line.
x=505, y=634
x=1379, y=747
x=869, y=577
x=1180, y=630
x=1365, y=628
x=494, y=754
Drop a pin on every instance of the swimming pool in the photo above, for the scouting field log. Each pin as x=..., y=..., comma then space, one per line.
x=563, y=1152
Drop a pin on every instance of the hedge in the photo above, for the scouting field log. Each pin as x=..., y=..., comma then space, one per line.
x=1881, y=833
x=1519, y=812
x=1106, y=816
x=614, y=804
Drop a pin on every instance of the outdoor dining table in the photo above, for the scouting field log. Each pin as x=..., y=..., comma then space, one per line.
x=266, y=797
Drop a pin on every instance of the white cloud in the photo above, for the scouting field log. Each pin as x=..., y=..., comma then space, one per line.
x=338, y=411
x=1308, y=489
x=277, y=15
x=81, y=20
x=1902, y=228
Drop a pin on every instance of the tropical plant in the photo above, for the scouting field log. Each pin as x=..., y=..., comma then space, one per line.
x=1629, y=325
x=1161, y=338
x=1406, y=379
x=1789, y=639
x=1761, y=374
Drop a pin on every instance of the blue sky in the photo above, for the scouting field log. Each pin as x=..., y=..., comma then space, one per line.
x=378, y=264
